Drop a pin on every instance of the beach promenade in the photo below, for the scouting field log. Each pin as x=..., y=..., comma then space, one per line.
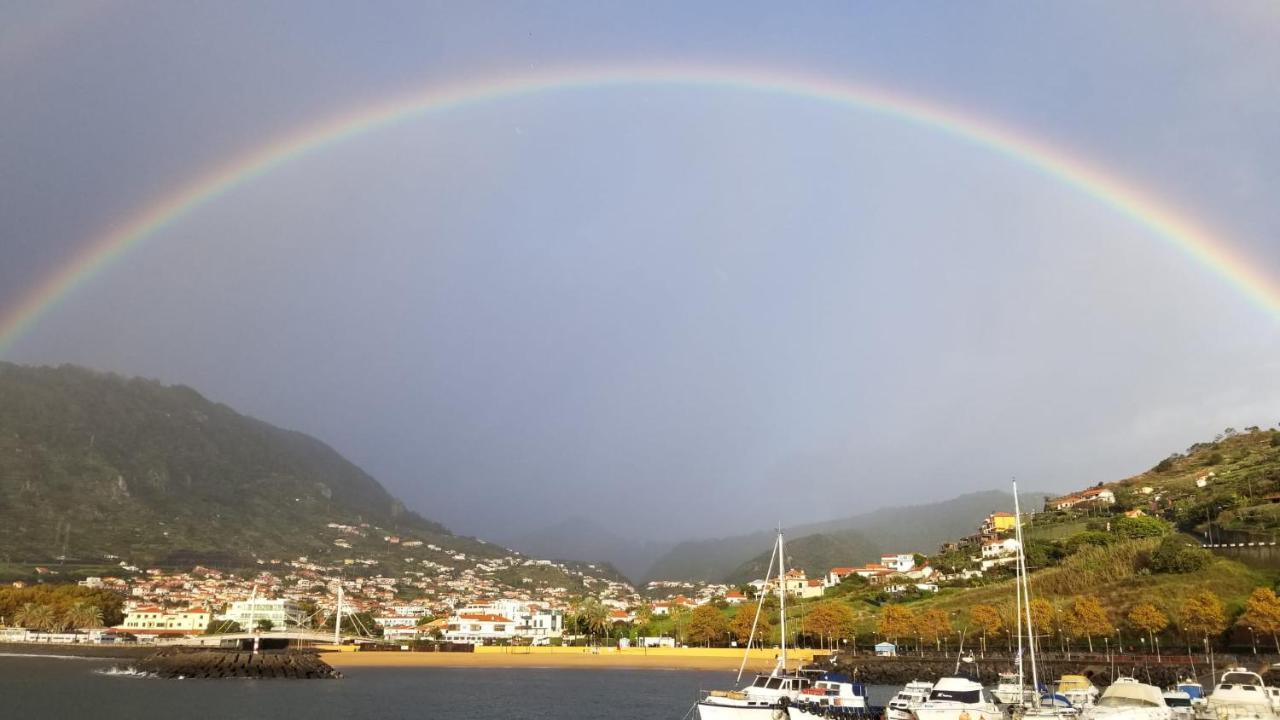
x=570, y=657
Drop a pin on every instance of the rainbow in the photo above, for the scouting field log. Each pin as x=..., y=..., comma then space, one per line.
x=1146, y=211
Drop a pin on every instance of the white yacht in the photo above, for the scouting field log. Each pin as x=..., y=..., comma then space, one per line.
x=1128, y=699
x=767, y=696
x=759, y=700
x=903, y=705
x=958, y=698
x=1241, y=694
x=831, y=695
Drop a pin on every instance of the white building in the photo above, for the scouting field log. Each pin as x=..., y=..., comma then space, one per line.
x=900, y=562
x=248, y=614
x=153, y=620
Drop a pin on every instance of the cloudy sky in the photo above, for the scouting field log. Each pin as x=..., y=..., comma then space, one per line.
x=683, y=309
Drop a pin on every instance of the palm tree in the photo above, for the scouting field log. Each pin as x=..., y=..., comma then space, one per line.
x=592, y=615
x=36, y=617
x=82, y=615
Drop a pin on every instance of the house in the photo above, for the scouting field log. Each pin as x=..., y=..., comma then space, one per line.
x=837, y=575
x=899, y=562
x=1092, y=496
x=733, y=597
x=998, y=522
x=1000, y=548
x=153, y=620
x=796, y=584
x=886, y=649
x=479, y=628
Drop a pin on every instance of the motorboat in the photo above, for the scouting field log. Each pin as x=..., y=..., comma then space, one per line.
x=904, y=703
x=1179, y=703
x=1010, y=690
x=765, y=695
x=958, y=698
x=830, y=695
x=1078, y=689
x=1195, y=691
x=1128, y=699
x=1241, y=694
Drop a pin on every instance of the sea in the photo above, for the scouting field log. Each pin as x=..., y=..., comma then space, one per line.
x=53, y=687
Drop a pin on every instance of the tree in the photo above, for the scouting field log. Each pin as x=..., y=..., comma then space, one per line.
x=217, y=627
x=988, y=620
x=36, y=617
x=1164, y=465
x=1043, y=615
x=707, y=625
x=896, y=621
x=1141, y=527
x=1203, y=615
x=82, y=615
x=1088, y=618
x=935, y=624
x=740, y=626
x=829, y=619
x=680, y=617
x=1176, y=555
x=264, y=625
x=1262, y=612
x=1148, y=618
x=591, y=615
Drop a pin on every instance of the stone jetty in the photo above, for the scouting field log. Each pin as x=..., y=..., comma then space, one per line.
x=193, y=664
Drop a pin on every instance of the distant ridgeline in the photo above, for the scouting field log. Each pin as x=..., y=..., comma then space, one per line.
x=97, y=467
x=818, y=547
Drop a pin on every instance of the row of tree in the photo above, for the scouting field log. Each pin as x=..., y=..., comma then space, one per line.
x=1202, y=616
x=48, y=618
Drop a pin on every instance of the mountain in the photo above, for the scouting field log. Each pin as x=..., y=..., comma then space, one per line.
x=916, y=528
x=815, y=554
x=95, y=466
x=585, y=540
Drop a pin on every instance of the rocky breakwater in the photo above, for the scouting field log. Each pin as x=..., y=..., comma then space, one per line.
x=181, y=663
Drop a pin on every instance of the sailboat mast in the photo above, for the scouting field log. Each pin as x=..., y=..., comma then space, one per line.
x=337, y=618
x=759, y=608
x=782, y=598
x=1026, y=588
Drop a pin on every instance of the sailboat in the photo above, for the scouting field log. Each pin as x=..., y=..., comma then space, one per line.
x=769, y=694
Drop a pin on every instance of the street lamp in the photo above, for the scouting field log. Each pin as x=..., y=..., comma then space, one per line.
x=1156, y=638
x=1253, y=638
x=1119, y=642
x=1144, y=645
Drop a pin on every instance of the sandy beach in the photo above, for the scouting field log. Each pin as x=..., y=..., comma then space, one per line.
x=605, y=658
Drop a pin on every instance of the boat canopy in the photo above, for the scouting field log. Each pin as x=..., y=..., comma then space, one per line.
x=1130, y=694
x=1067, y=683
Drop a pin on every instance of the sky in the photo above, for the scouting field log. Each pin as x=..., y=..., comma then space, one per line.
x=685, y=311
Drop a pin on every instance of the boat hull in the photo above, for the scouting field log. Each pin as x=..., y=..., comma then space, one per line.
x=716, y=710
x=959, y=712
x=808, y=711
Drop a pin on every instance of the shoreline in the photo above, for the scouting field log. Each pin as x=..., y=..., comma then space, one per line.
x=703, y=659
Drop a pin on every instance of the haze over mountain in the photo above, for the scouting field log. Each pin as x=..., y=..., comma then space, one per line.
x=587, y=539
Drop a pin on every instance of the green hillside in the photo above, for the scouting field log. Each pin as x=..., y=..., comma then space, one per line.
x=95, y=465
x=852, y=540
x=815, y=554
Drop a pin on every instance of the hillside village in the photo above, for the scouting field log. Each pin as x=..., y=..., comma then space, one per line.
x=416, y=591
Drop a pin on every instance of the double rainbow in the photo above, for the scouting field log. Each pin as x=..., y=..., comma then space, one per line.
x=101, y=252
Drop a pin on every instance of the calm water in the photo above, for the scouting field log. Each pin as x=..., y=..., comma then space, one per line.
x=80, y=688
